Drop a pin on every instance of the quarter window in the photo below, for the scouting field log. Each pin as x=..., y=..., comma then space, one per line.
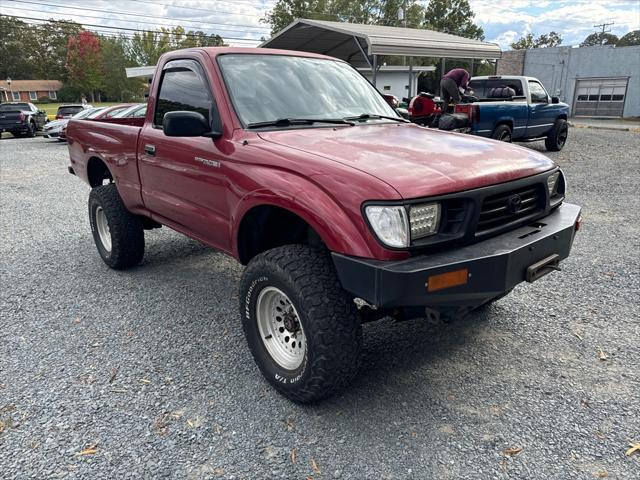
x=183, y=88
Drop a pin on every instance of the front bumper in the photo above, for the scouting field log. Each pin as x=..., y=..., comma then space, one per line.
x=494, y=266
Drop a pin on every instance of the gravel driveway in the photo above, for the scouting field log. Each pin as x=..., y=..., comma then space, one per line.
x=145, y=373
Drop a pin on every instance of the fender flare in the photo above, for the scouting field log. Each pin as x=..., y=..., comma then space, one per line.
x=310, y=205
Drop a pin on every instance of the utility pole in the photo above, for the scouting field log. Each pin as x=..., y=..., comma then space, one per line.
x=603, y=25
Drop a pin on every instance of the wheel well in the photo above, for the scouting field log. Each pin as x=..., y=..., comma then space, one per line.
x=266, y=226
x=563, y=116
x=97, y=172
x=508, y=123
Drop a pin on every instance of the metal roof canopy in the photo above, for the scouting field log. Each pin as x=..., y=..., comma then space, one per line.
x=360, y=44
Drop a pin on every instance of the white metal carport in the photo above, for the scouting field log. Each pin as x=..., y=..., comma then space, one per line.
x=360, y=44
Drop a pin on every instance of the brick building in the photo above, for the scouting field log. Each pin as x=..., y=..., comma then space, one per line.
x=28, y=90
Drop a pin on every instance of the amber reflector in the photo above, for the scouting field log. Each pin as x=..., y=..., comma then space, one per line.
x=447, y=280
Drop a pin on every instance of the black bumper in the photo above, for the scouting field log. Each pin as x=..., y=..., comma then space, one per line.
x=495, y=266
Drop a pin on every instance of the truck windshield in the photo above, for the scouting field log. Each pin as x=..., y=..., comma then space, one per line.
x=266, y=88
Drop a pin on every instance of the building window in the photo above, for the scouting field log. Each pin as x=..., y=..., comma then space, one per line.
x=15, y=96
x=33, y=96
x=53, y=95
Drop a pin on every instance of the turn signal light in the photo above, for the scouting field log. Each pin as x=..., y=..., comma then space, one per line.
x=579, y=223
x=447, y=280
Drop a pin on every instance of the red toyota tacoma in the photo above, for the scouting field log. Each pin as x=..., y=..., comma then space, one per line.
x=341, y=210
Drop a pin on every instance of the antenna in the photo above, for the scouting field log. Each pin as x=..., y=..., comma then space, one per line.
x=603, y=25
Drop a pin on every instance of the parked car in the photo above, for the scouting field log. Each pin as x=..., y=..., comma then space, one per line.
x=68, y=110
x=54, y=128
x=21, y=119
x=139, y=110
x=96, y=112
x=342, y=211
x=516, y=108
x=112, y=111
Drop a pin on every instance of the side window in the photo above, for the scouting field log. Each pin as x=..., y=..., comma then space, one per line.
x=183, y=88
x=538, y=93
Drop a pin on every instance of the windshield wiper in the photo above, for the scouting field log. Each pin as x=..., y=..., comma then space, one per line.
x=375, y=116
x=287, y=122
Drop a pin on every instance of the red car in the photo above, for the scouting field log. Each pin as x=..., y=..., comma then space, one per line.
x=342, y=211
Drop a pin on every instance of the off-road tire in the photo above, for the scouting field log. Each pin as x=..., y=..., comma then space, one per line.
x=502, y=133
x=557, y=137
x=127, y=234
x=326, y=312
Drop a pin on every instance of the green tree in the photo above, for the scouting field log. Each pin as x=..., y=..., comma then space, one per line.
x=85, y=70
x=35, y=51
x=631, y=38
x=551, y=39
x=146, y=47
x=454, y=17
x=373, y=12
x=115, y=85
x=599, y=38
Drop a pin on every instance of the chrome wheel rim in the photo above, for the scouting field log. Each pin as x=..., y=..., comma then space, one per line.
x=280, y=328
x=103, y=229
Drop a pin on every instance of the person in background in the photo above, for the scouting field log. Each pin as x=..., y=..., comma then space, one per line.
x=451, y=84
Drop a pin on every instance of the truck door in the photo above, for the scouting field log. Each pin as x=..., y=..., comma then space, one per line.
x=541, y=110
x=182, y=177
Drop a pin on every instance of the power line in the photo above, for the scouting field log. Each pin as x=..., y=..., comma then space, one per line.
x=208, y=10
x=113, y=12
x=137, y=30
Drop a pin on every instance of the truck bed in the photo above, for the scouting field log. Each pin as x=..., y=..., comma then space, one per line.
x=117, y=145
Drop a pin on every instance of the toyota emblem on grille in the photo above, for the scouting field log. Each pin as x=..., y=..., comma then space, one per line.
x=514, y=203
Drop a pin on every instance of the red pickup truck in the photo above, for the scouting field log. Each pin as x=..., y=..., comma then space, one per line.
x=341, y=210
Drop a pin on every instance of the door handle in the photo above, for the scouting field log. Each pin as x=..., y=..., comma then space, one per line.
x=150, y=149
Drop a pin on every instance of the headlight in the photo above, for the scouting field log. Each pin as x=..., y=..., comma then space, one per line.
x=552, y=181
x=424, y=219
x=390, y=224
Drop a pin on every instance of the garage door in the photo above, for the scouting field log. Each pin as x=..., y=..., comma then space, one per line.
x=600, y=97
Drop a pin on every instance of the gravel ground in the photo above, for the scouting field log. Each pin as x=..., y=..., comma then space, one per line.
x=150, y=365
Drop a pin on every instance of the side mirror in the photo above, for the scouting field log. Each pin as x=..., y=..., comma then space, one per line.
x=187, y=124
x=555, y=100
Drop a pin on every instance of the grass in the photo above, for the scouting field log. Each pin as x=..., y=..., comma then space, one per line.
x=52, y=108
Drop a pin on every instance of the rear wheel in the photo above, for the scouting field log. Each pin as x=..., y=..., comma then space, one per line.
x=31, y=131
x=557, y=136
x=502, y=133
x=118, y=234
x=301, y=326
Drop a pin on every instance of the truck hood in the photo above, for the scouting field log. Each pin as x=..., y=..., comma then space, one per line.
x=416, y=161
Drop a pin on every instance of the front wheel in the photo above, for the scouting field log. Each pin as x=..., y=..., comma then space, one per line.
x=301, y=326
x=118, y=234
x=502, y=133
x=557, y=136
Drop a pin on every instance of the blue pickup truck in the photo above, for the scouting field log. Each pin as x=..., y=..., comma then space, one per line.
x=515, y=108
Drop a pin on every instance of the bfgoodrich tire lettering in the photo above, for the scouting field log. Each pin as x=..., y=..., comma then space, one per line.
x=327, y=316
x=126, y=233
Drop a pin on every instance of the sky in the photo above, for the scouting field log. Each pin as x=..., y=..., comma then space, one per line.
x=238, y=21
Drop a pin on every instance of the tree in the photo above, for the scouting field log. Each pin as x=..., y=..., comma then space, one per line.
x=551, y=39
x=373, y=12
x=36, y=51
x=631, y=38
x=84, y=63
x=146, y=47
x=115, y=85
x=454, y=17
x=599, y=38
